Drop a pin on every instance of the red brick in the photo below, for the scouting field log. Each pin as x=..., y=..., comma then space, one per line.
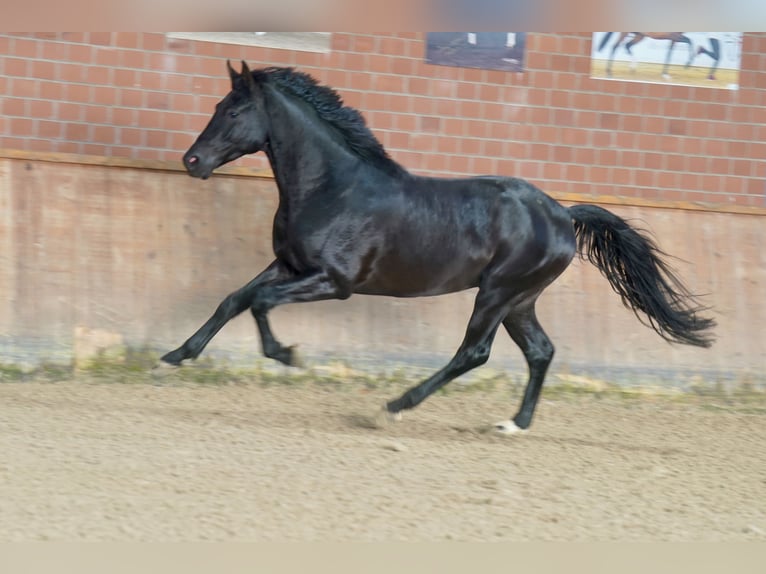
x=156, y=138
x=626, y=140
x=667, y=180
x=469, y=146
x=361, y=43
x=404, y=122
x=607, y=157
x=101, y=38
x=130, y=98
x=631, y=158
x=562, y=154
x=483, y=166
x=103, y=134
x=80, y=53
x=530, y=170
x=392, y=46
x=601, y=138
x=458, y=164
x=653, y=160
x=559, y=98
x=14, y=106
x=656, y=125
x=553, y=170
x=421, y=106
x=125, y=78
x=40, y=109
x=27, y=49
x=355, y=62
x=546, y=134
x=16, y=67
x=76, y=132
x=97, y=114
x=740, y=167
x=95, y=149
x=106, y=57
x=98, y=75
x=105, y=95
x=696, y=164
x=69, y=112
x=131, y=137
x=584, y=155
x=48, y=129
x=126, y=39
x=25, y=88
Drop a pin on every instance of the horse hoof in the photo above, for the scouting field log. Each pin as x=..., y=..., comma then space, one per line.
x=508, y=427
x=296, y=359
x=163, y=369
x=385, y=418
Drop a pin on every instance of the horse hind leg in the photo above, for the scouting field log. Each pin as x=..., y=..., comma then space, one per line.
x=692, y=50
x=525, y=330
x=665, y=73
x=628, y=48
x=489, y=309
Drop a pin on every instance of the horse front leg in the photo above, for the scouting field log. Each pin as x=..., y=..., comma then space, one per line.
x=316, y=286
x=234, y=304
x=272, y=348
x=665, y=73
x=611, y=57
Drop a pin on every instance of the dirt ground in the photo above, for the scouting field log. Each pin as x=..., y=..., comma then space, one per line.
x=165, y=461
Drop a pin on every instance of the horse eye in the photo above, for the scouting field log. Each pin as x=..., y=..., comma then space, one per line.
x=233, y=114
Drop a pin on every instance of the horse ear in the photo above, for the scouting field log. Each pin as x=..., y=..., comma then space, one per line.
x=233, y=74
x=247, y=75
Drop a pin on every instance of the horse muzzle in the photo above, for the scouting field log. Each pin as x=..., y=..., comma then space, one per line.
x=196, y=167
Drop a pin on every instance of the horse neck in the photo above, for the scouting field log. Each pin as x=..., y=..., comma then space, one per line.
x=302, y=149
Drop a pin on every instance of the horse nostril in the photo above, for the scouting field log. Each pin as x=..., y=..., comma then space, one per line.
x=192, y=160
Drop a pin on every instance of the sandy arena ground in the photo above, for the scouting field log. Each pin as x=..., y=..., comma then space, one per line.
x=187, y=462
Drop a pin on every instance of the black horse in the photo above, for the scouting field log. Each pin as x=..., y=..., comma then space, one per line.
x=352, y=220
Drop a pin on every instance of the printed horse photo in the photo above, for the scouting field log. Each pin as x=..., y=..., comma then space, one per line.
x=636, y=37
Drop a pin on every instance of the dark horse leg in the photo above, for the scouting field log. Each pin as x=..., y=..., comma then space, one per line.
x=489, y=309
x=517, y=313
x=524, y=329
x=616, y=45
x=715, y=55
x=230, y=307
x=637, y=37
x=682, y=39
x=667, y=59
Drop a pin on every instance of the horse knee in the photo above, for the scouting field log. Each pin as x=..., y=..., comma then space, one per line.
x=261, y=304
x=475, y=357
x=232, y=305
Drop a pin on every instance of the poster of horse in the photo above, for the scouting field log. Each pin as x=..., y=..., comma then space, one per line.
x=485, y=50
x=704, y=59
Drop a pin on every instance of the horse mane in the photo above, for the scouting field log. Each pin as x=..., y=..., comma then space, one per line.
x=348, y=121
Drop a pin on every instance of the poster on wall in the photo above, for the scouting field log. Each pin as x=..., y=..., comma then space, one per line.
x=299, y=41
x=708, y=59
x=486, y=50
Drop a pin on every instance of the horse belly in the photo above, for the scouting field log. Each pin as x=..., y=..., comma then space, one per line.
x=421, y=276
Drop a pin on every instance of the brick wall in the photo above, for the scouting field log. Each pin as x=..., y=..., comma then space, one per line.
x=145, y=96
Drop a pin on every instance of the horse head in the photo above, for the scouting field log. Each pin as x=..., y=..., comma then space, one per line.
x=238, y=127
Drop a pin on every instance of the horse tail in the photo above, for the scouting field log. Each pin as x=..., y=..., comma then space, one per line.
x=604, y=40
x=634, y=266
